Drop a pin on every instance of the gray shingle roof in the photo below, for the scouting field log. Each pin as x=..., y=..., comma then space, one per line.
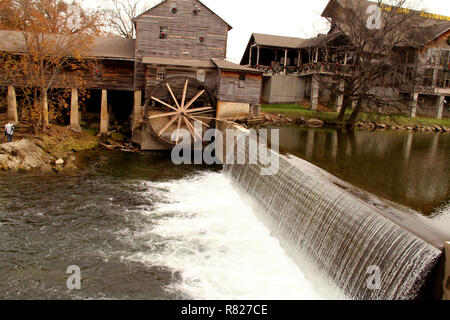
x=277, y=41
x=107, y=48
x=227, y=65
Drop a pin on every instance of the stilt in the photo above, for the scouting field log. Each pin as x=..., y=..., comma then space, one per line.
x=440, y=107
x=12, y=105
x=137, y=110
x=340, y=96
x=314, y=93
x=414, y=99
x=44, y=107
x=285, y=61
x=257, y=55
x=104, y=117
x=74, y=112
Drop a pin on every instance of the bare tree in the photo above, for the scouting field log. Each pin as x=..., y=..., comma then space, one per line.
x=121, y=13
x=377, y=38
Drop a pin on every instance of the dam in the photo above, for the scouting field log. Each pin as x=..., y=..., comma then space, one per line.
x=344, y=232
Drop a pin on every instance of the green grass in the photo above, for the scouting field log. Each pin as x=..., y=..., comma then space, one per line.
x=295, y=111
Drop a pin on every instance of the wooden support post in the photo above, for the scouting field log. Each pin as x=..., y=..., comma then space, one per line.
x=12, y=105
x=345, y=57
x=74, y=110
x=340, y=96
x=440, y=107
x=316, y=59
x=299, y=58
x=413, y=106
x=250, y=56
x=137, y=109
x=285, y=61
x=104, y=117
x=44, y=107
x=257, y=55
x=314, y=92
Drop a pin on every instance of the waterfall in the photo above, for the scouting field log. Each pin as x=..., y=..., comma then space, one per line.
x=343, y=237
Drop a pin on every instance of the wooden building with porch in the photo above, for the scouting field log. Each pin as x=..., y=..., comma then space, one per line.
x=293, y=66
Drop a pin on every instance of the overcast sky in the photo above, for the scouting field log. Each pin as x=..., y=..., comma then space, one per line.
x=294, y=18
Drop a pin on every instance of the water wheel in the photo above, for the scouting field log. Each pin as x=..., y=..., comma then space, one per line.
x=177, y=103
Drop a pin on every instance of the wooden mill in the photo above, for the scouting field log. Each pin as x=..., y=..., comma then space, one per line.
x=180, y=66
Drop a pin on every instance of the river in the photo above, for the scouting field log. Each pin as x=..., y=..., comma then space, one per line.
x=140, y=227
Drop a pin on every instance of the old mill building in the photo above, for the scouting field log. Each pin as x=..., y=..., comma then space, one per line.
x=173, y=73
x=291, y=75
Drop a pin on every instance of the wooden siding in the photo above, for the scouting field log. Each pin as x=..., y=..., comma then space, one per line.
x=229, y=90
x=210, y=77
x=115, y=75
x=183, y=29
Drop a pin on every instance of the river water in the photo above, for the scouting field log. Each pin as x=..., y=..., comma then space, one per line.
x=140, y=227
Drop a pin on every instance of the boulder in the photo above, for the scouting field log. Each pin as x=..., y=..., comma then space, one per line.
x=314, y=123
x=23, y=155
x=59, y=162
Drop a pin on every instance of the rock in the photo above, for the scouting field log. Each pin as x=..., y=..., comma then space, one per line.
x=314, y=123
x=381, y=126
x=116, y=136
x=76, y=129
x=300, y=120
x=410, y=128
x=70, y=159
x=23, y=155
x=59, y=162
x=446, y=129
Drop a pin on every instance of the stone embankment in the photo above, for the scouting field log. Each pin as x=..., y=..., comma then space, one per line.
x=281, y=119
x=371, y=125
x=28, y=154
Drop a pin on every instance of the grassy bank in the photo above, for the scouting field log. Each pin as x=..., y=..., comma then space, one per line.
x=60, y=140
x=295, y=111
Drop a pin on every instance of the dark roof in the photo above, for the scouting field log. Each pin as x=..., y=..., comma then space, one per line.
x=165, y=1
x=430, y=33
x=113, y=48
x=319, y=40
x=106, y=48
x=227, y=65
x=277, y=41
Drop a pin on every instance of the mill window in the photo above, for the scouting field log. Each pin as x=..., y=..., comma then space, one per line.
x=163, y=33
x=242, y=80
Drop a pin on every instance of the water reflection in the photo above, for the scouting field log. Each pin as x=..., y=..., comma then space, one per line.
x=405, y=167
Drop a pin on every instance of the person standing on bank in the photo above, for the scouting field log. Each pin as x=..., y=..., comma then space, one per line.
x=9, y=131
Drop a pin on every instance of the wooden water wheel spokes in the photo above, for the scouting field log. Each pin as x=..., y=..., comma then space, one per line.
x=177, y=103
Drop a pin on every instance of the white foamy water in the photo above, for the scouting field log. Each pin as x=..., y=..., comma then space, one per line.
x=211, y=235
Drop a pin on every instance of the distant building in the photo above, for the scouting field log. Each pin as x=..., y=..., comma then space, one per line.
x=290, y=65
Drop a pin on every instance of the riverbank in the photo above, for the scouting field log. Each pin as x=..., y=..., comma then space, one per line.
x=55, y=150
x=300, y=114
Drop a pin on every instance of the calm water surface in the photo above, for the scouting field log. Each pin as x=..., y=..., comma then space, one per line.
x=411, y=169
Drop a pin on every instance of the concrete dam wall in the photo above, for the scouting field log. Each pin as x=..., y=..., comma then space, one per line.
x=346, y=234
